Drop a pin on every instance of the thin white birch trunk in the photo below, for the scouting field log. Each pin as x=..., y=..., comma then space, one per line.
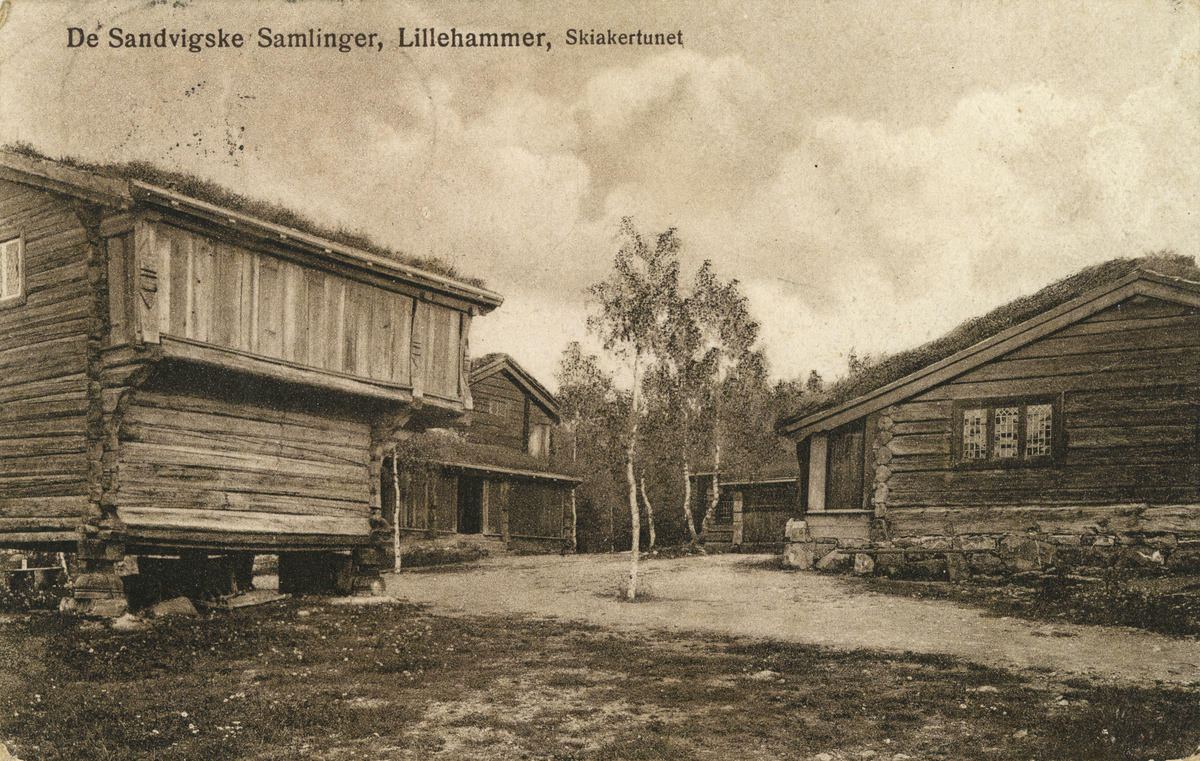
x=634, y=513
x=395, y=512
x=649, y=512
x=687, y=500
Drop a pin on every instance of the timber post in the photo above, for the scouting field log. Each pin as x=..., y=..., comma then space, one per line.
x=98, y=589
x=505, y=534
x=369, y=559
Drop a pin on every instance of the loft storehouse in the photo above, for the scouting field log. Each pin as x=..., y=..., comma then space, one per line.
x=1063, y=427
x=182, y=378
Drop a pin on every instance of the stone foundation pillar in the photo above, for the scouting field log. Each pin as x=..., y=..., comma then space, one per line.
x=800, y=551
x=98, y=588
x=368, y=563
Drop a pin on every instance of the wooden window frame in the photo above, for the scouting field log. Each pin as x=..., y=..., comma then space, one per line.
x=18, y=298
x=991, y=462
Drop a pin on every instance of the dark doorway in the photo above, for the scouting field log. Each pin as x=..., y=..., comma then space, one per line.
x=470, y=505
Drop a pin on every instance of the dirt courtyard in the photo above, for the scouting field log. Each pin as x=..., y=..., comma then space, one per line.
x=738, y=595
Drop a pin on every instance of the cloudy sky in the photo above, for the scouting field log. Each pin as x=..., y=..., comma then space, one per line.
x=872, y=172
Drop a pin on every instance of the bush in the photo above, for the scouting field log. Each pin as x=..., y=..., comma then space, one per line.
x=420, y=556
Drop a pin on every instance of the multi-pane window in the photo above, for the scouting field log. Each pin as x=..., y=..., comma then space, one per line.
x=12, y=270
x=1005, y=431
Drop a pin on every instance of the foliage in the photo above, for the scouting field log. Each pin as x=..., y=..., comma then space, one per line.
x=421, y=556
x=639, y=317
x=702, y=400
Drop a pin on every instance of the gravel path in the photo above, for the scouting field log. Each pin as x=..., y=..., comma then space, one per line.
x=728, y=594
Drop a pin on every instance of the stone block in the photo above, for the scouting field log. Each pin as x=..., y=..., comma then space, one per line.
x=985, y=562
x=109, y=608
x=1075, y=557
x=1162, y=541
x=1184, y=561
x=178, y=606
x=1065, y=540
x=1103, y=540
x=853, y=544
x=864, y=565
x=1024, y=554
x=834, y=561
x=935, y=543
x=975, y=543
x=957, y=566
x=1139, y=557
x=796, y=531
x=925, y=569
x=799, y=555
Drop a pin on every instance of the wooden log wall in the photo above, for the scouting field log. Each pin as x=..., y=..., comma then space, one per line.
x=504, y=414
x=191, y=465
x=536, y=509
x=766, y=509
x=43, y=364
x=1128, y=381
x=226, y=295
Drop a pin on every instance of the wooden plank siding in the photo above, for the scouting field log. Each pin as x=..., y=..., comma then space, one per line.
x=218, y=293
x=1129, y=382
x=504, y=414
x=499, y=416
x=282, y=472
x=43, y=363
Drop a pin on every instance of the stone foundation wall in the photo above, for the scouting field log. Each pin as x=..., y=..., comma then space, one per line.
x=961, y=556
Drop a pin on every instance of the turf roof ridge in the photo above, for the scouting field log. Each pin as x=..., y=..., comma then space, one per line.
x=211, y=192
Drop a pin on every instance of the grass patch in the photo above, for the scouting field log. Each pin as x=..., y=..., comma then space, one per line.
x=427, y=557
x=300, y=679
x=1168, y=606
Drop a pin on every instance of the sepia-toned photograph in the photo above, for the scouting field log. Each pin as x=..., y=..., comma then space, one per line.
x=669, y=380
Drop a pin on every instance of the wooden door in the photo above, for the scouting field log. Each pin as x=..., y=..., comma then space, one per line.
x=844, y=481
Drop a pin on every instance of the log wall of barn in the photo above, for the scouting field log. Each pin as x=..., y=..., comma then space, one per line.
x=191, y=465
x=1129, y=467
x=43, y=369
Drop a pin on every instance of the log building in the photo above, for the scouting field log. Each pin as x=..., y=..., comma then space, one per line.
x=493, y=480
x=1062, y=429
x=181, y=378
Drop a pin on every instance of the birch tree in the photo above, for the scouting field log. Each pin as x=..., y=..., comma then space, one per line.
x=638, y=308
x=721, y=315
x=585, y=397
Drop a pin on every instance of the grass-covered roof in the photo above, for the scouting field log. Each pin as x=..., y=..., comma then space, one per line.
x=977, y=329
x=210, y=192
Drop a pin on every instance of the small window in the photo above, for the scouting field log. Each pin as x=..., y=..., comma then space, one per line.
x=12, y=270
x=499, y=408
x=1002, y=432
x=539, y=440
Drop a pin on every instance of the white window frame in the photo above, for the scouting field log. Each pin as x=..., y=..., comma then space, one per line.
x=12, y=293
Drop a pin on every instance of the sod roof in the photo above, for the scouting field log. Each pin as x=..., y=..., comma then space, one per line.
x=975, y=330
x=210, y=192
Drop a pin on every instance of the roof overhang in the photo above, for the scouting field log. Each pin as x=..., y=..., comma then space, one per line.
x=537, y=475
x=523, y=378
x=1137, y=283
